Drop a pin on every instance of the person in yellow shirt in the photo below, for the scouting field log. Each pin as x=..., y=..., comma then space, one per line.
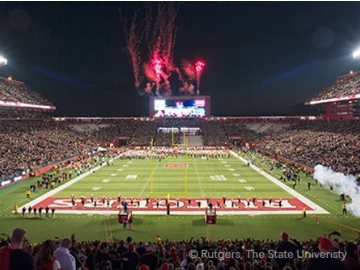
x=16, y=207
x=158, y=239
x=28, y=192
x=344, y=209
x=304, y=212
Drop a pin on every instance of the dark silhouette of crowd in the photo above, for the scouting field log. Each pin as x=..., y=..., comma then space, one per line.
x=326, y=252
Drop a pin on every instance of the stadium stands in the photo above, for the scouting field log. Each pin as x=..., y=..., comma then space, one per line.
x=15, y=91
x=26, y=144
x=204, y=254
x=335, y=144
x=343, y=86
x=42, y=142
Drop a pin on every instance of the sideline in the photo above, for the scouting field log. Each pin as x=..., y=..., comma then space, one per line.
x=318, y=209
x=62, y=187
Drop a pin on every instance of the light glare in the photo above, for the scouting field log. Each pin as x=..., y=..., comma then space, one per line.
x=356, y=54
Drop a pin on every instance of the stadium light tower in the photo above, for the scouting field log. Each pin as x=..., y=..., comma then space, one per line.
x=3, y=61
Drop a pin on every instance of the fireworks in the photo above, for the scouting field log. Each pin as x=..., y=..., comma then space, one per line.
x=150, y=43
x=158, y=31
x=199, y=67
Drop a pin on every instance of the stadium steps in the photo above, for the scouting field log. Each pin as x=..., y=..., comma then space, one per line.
x=89, y=128
x=264, y=127
x=195, y=140
x=253, y=127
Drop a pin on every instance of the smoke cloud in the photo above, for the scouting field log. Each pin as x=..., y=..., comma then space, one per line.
x=341, y=184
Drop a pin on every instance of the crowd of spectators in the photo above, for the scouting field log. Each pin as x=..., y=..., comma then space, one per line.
x=15, y=91
x=326, y=252
x=335, y=144
x=110, y=132
x=343, y=86
x=30, y=144
x=17, y=113
x=144, y=132
x=213, y=134
x=40, y=142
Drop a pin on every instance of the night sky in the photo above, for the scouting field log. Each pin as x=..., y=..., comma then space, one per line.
x=262, y=58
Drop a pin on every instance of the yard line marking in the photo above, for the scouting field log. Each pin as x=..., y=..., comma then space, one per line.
x=148, y=181
x=198, y=180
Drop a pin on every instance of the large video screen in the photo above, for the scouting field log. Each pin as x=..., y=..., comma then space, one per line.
x=179, y=108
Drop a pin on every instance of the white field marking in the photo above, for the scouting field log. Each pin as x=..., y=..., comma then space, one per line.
x=125, y=165
x=62, y=187
x=319, y=210
x=131, y=177
x=231, y=170
x=227, y=165
x=113, y=174
x=236, y=174
x=249, y=188
x=199, y=181
x=120, y=170
x=96, y=188
x=182, y=213
x=147, y=181
x=106, y=180
x=223, y=161
x=242, y=181
x=217, y=177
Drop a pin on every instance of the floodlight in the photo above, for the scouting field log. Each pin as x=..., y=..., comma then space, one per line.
x=356, y=54
x=3, y=61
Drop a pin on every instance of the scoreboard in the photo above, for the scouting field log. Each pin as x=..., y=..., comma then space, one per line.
x=180, y=106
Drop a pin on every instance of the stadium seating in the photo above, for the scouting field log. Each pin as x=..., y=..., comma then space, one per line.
x=189, y=255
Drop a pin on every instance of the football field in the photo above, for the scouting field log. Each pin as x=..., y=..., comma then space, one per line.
x=188, y=184
x=178, y=179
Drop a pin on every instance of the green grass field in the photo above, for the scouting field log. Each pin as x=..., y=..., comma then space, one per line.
x=201, y=178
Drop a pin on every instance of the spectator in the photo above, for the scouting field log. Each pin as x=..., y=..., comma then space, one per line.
x=149, y=258
x=351, y=259
x=20, y=259
x=15, y=257
x=62, y=254
x=286, y=247
x=130, y=258
x=326, y=260
x=44, y=258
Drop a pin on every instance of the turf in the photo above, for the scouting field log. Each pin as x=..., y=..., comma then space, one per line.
x=154, y=179
x=201, y=178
